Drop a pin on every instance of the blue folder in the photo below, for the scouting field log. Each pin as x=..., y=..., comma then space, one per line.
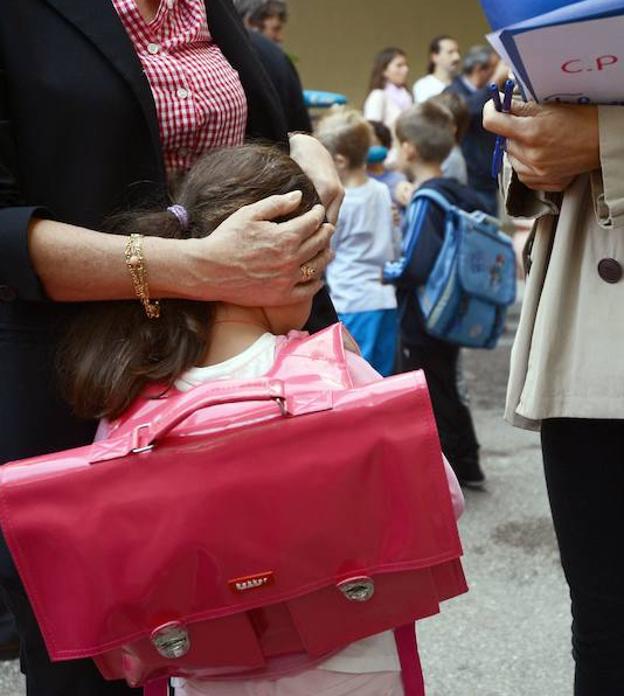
x=502, y=13
x=566, y=13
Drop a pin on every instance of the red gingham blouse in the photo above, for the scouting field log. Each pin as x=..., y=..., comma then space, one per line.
x=199, y=98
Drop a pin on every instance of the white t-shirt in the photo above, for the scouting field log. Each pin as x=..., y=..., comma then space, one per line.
x=427, y=87
x=363, y=242
x=454, y=166
x=374, y=654
x=380, y=106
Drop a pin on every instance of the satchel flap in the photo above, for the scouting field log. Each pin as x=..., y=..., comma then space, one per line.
x=206, y=527
x=486, y=260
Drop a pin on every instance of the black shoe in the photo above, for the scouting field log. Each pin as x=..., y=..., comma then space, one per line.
x=470, y=475
x=10, y=650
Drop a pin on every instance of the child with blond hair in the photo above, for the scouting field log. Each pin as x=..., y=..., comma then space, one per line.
x=362, y=243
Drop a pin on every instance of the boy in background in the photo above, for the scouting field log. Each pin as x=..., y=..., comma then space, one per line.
x=426, y=134
x=362, y=243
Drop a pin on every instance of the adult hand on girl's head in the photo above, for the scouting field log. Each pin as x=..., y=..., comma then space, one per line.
x=251, y=261
x=318, y=164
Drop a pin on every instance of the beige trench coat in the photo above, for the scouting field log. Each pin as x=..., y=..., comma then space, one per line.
x=568, y=356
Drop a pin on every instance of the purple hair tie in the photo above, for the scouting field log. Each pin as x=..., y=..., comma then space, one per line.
x=181, y=213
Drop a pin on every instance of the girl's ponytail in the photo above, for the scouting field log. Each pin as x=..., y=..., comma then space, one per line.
x=112, y=350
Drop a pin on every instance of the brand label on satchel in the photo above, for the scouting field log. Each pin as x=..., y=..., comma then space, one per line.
x=252, y=582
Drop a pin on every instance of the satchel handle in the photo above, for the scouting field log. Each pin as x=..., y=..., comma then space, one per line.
x=144, y=436
x=177, y=408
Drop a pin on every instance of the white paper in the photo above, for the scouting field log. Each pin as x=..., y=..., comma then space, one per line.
x=580, y=63
x=499, y=47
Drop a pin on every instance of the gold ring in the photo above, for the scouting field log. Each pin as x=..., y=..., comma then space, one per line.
x=308, y=271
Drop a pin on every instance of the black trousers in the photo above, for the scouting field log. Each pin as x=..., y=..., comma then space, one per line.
x=44, y=678
x=584, y=466
x=453, y=418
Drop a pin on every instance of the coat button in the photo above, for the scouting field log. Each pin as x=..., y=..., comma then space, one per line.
x=7, y=294
x=610, y=270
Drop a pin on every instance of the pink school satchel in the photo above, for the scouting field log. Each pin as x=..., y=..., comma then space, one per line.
x=241, y=528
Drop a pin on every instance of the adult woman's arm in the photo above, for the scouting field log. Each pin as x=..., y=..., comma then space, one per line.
x=247, y=260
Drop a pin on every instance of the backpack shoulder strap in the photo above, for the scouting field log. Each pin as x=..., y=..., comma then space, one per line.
x=159, y=687
x=435, y=197
x=321, y=354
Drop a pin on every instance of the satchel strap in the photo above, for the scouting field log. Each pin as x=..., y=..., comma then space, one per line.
x=157, y=688
x=440, y=200
x=326, y=345
x=411, y=668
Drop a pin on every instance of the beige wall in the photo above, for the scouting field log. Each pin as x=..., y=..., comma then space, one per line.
x=335, y=40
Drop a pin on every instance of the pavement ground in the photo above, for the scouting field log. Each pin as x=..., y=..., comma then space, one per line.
x=509, y=636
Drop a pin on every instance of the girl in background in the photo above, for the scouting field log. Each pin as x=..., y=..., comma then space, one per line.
x=388, y=94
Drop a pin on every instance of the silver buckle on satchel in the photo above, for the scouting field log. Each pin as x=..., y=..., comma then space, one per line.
x=171, y=640
x=136, y=437
x=359, y=589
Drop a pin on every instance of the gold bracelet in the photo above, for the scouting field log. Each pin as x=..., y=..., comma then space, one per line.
x=135, y=260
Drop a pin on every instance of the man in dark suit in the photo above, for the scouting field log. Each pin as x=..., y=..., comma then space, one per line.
x=481, y=66
x=279, y=67
x=79, y=138
x=269, y=17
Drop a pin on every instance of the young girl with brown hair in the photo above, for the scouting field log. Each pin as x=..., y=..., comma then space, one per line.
x=114, y=352
x=388, y=94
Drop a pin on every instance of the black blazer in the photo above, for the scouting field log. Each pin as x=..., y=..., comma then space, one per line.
x=478, y=144
x=79, y=138
x=285, y=79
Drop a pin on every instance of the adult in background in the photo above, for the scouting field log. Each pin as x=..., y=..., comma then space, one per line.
x=481, y=66
x=388, y=95
x=444, y=64
x=567, y=376
x=269, y=18
x=279, y=67
x=99, y=110
x=454, y=166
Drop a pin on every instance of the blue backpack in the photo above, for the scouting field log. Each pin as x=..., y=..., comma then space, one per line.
x=473, y=281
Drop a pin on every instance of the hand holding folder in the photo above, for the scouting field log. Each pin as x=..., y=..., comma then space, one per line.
x=548, y=145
